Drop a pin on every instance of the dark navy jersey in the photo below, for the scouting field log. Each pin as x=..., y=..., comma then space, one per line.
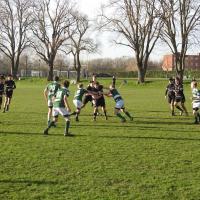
x=170, y=90
x=1, y=88
x=10, y=85
x=178, y=90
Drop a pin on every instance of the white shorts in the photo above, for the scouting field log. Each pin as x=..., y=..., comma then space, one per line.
x=196, y=105
x=50, y=103
x=77, y=103
x=119, y=104
x=61, y=111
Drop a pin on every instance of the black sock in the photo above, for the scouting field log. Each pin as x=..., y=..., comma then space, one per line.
x=95, y=115
x=67, y=125
x=128, y=114
x=178, y=107
x=51, y=124
x=0, y=101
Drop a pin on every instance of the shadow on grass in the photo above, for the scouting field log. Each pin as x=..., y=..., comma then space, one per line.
x=29, y=182
x=151, y=138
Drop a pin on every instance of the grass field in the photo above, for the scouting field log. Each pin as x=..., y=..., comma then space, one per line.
x=154, y=157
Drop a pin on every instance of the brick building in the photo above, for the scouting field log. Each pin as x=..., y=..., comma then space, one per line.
x=191, y=62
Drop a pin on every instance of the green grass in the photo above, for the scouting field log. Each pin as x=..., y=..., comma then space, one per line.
x=154, y=157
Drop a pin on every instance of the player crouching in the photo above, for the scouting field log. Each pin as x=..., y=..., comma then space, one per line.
x=61, y=106
x=119, y=103
x=195, y=102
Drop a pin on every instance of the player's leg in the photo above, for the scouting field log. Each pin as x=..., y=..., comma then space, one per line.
x=184, y=107
x=171, y=103
x=127, y=113
x=196, y=115
x=118, y=114
x=95, y=113
x=49, y=115
x=1, y=101
x=55, y=114
x=5, y=104
x=176, y=104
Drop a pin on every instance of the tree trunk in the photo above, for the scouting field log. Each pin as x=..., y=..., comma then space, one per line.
x=50, y=75
x=141, y=75
x=13, y=69
x=78, y=77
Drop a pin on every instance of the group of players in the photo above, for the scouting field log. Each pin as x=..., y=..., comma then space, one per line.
x=7, y=85
x=176, y=98
x=57, y=95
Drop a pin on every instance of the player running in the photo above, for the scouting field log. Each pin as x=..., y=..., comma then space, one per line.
x=49, y=93
x=1, y=90
x=179, y=96
x=78, y=100
x=119, y=104
x=61, y=106
x=9, y=87
x=196, y=101
x=170, y=94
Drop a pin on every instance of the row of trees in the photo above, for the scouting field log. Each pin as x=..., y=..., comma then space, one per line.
x=49, y=26
x=143, y=23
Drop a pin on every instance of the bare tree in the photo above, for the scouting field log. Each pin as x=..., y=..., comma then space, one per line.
x=80, y=41
x=51, y=21
x=181, y=19
x=137, y=26
x=14, y=25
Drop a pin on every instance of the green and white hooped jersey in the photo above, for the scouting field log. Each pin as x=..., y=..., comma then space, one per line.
x=79, y=94
x=59, y=98
x=196, y=94
x=116, y=96
x=52, y=89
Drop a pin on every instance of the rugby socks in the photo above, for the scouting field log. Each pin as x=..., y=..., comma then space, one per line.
x=67, y=125
x=95, y=116
x=178, y=107
x=51, y=124
x=0, y=102
x=128, y=114
x=121, y=117
x=105, y=113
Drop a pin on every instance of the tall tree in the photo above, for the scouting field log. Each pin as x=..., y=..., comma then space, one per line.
x=180, y=21
x=137, y=25
x=52, y=19
x=15, y=22
x=80, y=41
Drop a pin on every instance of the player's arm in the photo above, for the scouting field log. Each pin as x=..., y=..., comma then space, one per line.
x=46, y=94
x=166, y=92
x=67, y=104
x=14, y=86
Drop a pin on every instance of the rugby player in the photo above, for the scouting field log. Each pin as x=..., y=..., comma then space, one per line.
x=1, y=89
x=195, y=102
x=119, y=104
x=61, y=106
x=88, y=96
x=179, y=96
x=49, y=93
x=9, y=87
x=78, y=99
x=98, y=100
x=170, y=95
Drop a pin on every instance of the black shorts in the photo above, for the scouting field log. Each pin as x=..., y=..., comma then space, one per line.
x=100, y=102
x=9, y=94
x=171, y=99
x=87, y=99
x=180, y=99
